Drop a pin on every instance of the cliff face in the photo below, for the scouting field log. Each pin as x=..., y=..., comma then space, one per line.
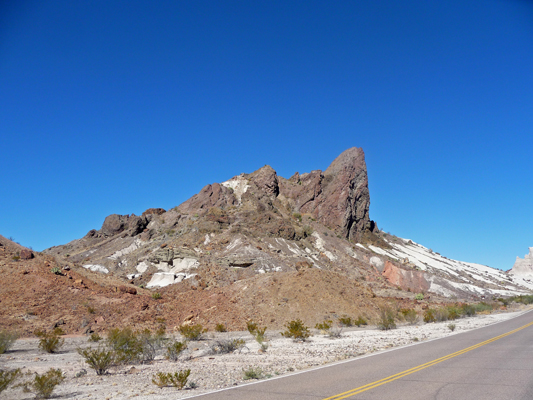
x=524, y=266
x=338, y=197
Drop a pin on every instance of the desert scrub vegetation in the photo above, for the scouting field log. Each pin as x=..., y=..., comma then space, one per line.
x=386, y=319
x=50, y=342
x=429, y=316
x=258, y=334
x=410, y=315
x=95, y=337
x=296, y=330
x=221, y=328
x=176, y=379
x=192, y=332
x=132, y=347
x=7, y=378
x=6, y=340
x=174, y=349
x=227, y=346
x=156, y=296
x=419, y=296
x=252, y=373
x=43, y=384
x=99, y=359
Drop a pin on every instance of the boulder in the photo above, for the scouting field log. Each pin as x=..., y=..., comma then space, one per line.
x=26, y=254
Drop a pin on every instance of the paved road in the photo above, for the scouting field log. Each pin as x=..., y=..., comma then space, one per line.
x=491, y=363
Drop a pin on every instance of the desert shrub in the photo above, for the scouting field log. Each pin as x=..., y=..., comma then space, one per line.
x=297, y=216
x=56, y=271
x=50, y=341
x=174, y=349
x=95, y=337
x=453, y=313
x=43, y=385
x=6, y=340
x=324, y=326
x=429, y=316
x=524, y=299
x=483, y=307
x=156, y=296
x=221, y=328
x=345, y=321
x=99, y=359
x=296, y=330
x=451, y=327
x=252, y=373
x=126, y=345
x=468, y=310
x=7, y=378
x=251, y=326
x=504, y=301
x=227, y=346
x=360, y=321
x=419, y=296
x=386, y=319
x=192, y=332
x=441, y=314
x=308, y=231
x=176, y=379
x=410, y=315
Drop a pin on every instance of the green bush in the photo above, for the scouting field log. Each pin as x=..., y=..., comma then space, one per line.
x=6, y=340
x=410, y=315
x=296, y=330
x=50, y=341
x=386, y=319
x=192, y=332
x=324, y=326
x=419, y=296
x=345, y=321
x=451, y=327
x=7, y=378
x=251, y=326
x=221, y=328
x=441, y=314
x=56, y=271
x=429, y=316
x=176, y=379
x=125, y=344
x=453, y=313
x=100, y=359
x=252, y=373
x=95, y=337
x=227, y=346
x=174, y=349
x=360, y=321
x=468, y=310
x=156, y=296
x=297, y=216
x=43, y=385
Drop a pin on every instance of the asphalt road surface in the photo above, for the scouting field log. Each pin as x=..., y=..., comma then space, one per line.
x=490, y=363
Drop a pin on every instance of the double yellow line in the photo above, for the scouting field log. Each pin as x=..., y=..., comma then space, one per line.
x=399, y=375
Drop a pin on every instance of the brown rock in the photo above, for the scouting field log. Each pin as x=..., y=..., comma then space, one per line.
x=214, y=195
x=26, y=254
x=266, y=179
x=407, y=279
x=127, y=289
x=156, y=211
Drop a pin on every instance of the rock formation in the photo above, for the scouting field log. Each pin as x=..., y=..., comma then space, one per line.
x=523, y=266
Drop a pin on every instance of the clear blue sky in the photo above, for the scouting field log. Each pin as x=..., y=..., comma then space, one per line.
x=117, y=106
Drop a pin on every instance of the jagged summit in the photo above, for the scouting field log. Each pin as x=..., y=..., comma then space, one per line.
x=524, y=266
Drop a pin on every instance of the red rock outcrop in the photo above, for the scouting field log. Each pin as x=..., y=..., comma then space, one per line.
x=407, y=279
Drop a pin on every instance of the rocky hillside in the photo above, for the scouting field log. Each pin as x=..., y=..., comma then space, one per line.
x=256, y=246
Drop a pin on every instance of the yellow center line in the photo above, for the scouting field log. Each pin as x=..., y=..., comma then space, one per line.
x=410, y=371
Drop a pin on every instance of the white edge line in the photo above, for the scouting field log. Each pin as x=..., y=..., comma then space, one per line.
x=357, y=358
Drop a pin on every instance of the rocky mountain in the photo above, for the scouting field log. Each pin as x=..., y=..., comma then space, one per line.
x=523, y=267
x=262, y=223
x=257, y=246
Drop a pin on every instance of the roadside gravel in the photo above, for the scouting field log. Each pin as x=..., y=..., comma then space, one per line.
x=211, y=372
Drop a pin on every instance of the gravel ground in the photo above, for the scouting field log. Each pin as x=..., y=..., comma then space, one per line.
x=211, y=372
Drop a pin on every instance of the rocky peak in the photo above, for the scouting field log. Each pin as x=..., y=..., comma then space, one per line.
x=524, y=266
x=338, y=197
x=266, y=179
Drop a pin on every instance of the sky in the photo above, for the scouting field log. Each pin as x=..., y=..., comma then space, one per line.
x=119, y=106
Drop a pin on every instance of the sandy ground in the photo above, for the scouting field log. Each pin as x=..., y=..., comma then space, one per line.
x=211, y=372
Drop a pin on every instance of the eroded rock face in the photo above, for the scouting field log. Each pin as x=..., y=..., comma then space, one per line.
x=214, y=195
x=524, y=266
x=407, y=279
x=338, y=197
x=266, y=179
